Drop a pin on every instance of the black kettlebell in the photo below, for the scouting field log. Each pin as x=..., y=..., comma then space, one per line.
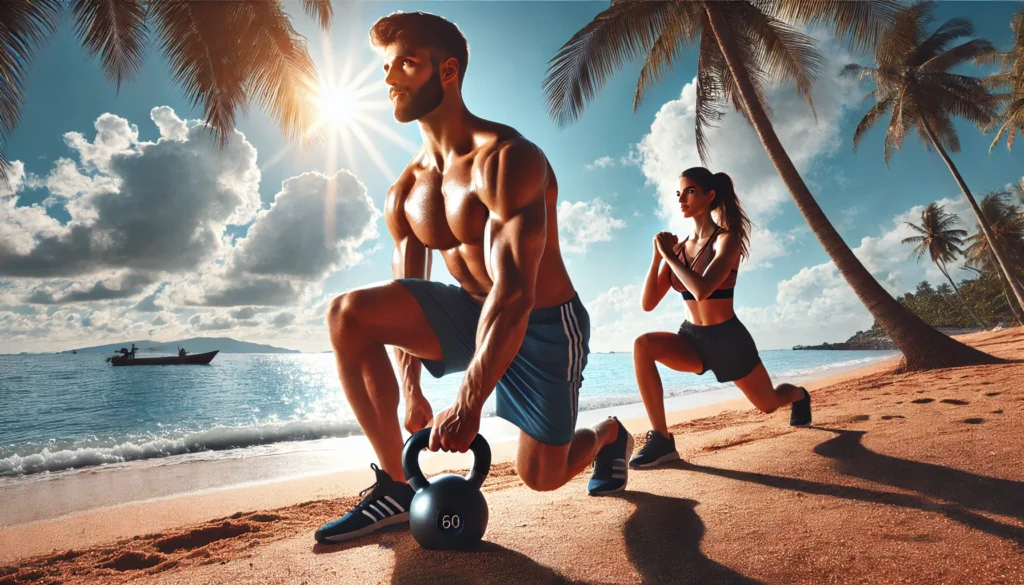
x=448, y=511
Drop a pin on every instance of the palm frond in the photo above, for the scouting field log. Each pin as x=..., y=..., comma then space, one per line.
x=750, y=60
x=583, y=65
x=681, y=32
x=1010, y=121
x=785, y=53
x=320, y=10
x=898, y=126
x=709, y=91
x=114, y=30
x=935, y=44
x=858, y=24
x=958, y=55
x=281, y=76
x=898, y=41
x=23, y=26
x=871, y=117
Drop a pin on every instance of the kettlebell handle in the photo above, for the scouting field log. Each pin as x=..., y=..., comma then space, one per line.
x=421, y=439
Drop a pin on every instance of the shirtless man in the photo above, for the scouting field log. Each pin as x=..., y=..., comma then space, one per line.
x=485, y=198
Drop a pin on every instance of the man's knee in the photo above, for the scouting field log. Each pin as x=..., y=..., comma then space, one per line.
x=342, y=313
x=537, y=478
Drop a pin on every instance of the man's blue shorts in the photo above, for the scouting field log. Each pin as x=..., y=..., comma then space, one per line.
x=539, y=392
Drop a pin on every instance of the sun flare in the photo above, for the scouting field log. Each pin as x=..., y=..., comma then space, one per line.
x=338, y=106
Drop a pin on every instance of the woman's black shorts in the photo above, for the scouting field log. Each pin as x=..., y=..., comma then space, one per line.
x=727, y=349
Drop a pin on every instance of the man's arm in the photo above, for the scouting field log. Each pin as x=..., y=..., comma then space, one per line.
x=410, y=259
x=727, y=253
x=514, y=241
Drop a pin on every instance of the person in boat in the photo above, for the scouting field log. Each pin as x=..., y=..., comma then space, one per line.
x=181, y=352
x=703, y=270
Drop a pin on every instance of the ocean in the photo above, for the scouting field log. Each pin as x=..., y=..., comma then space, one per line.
x=68, y=412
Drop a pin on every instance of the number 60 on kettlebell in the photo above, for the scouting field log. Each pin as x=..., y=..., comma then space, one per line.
x=447, y=511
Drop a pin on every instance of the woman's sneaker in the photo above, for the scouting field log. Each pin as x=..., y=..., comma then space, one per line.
x=610, y=473
x=800, y=413
x=386, y=505
x=658, y=449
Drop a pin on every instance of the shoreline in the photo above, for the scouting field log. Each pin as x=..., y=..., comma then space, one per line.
x=188, y=493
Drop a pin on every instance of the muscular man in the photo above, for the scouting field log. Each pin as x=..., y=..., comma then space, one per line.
x=485, y=198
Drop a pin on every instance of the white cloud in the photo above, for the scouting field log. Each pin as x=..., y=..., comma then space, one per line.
x=583, y=223
x=601, y=163
x=147, y=251
x=149, y=207
x=313, y=228
x=15, y=180
x=670, y=147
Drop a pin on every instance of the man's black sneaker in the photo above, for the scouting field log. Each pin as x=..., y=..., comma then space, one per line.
x=658, y=449
x=386, y=505
x=800, y=415
x=610, y=473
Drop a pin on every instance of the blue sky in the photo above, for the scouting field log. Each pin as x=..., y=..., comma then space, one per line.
x=616, y=170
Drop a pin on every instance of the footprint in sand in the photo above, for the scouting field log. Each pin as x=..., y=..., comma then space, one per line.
x=997, y=411
x=954, y=401
x=990, y=394
x=860, y=417
x=974, y=421
x=201, y=537
x=922, y=401
x=985, y=383
x=892, y=416
x=133, y=561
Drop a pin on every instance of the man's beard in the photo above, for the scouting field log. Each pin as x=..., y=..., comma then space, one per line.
x=423, y=101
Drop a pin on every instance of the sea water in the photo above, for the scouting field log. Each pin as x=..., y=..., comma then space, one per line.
x=65, y=412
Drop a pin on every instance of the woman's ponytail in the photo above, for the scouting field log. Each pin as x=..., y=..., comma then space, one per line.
x=730, y=213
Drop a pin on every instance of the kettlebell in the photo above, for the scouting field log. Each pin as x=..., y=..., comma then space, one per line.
x=448, y=512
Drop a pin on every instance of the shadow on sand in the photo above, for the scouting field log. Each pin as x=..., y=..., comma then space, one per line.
x=960, y=490
x=662, y=539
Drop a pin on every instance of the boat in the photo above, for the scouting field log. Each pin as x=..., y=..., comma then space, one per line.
x=127, y=358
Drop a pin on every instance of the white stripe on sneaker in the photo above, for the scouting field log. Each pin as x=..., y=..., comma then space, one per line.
x=394, y=503
x=370, y=515
x=385, y=506
x=377, y=510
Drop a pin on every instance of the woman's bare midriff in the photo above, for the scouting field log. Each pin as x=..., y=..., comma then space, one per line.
x=710, y=311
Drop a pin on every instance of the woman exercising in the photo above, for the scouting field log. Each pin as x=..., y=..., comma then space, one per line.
x=704, y=269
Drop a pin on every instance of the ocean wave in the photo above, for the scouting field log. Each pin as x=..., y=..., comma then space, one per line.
x=215, y=439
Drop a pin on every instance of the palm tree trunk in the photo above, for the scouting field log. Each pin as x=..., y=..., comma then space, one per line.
x=981, y=323
x=922, y=346
x=1015, y=286
x=1002, y=285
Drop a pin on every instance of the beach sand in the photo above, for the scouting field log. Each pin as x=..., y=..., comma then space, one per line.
x=903, y=478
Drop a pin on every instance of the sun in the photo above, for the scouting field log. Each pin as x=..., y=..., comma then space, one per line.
x=338, y=106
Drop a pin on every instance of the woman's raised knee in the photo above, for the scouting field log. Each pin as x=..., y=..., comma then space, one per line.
x=642, y=344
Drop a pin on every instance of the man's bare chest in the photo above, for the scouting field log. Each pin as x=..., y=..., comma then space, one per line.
x=444, y=214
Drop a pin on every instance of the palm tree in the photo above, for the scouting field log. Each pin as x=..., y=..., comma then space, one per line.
x=742, y=45
x=1008, y=226
x=913, y=82
x=1007, y=223
x=223, y=54
x=941, y=241
x=1010, y=77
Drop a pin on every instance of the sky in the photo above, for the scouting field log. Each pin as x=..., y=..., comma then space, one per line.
x=126, y=223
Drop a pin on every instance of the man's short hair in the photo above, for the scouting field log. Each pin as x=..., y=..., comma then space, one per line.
x=423, y=30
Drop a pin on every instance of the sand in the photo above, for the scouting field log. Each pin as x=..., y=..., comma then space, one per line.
x=903, y=478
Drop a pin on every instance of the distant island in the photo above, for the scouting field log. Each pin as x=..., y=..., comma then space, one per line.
x=192, y=345
x=876, y=339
